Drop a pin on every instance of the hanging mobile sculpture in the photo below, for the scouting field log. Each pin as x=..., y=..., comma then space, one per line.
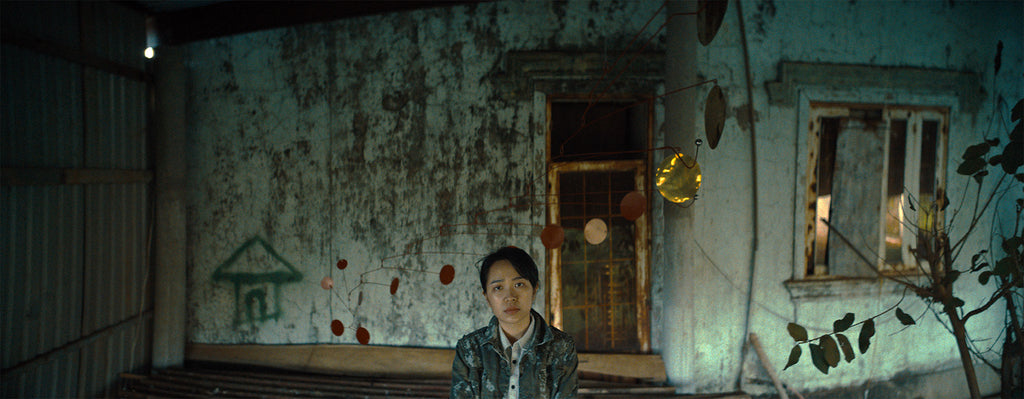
x=678, y=178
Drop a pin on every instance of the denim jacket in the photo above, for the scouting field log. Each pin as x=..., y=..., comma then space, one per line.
x=547, y=368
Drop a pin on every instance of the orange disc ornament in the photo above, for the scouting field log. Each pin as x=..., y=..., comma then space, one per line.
x=363, y=336
x=633, y=205
x=552, y=236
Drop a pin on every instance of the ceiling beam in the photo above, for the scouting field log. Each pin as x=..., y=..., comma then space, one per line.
x=237, y=17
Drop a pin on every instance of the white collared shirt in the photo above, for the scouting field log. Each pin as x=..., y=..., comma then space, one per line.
x=516, y=354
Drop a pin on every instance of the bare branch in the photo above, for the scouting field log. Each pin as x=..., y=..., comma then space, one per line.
x=996, y=296
x=917, y=290
x=976, y=216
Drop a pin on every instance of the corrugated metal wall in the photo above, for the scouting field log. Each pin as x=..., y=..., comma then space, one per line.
x=76, y=291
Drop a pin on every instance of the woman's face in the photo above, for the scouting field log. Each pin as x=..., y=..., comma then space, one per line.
x=509, y=295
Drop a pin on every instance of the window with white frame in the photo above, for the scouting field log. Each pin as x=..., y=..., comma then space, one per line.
x=874, y=175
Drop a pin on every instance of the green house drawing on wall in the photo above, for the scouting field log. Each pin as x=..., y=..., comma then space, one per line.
x=257, y=272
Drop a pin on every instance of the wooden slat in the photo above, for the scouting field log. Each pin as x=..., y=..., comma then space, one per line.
x=62, y=176
x=400, y=362
x=292, y=385
x=648, y=368
x=239, y=381
x=332, y=359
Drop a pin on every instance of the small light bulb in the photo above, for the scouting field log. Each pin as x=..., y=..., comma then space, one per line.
x=149, y=52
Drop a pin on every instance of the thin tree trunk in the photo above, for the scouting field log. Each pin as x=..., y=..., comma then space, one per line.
x=965, y=354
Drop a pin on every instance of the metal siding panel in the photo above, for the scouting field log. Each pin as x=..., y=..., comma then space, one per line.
x=115, y=116
x=120, y=350
x=41, y=269
x=43, y=111
x=86, y=373
x=96, y=281
x=115, y=105
x=13, y=289
x=61, y=242
x=116, y=33
x=115, y=249
x=67, y=379
x=54, y=21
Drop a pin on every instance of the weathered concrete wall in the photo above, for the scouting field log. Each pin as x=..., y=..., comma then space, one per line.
x=356, y=141
x=715, y=238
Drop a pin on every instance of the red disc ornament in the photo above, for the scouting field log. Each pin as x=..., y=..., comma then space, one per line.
x=363, y=336
x=342, y=264
x=633, y=205
x=447, y=274
x=552, y=236
x=337, y=327
x=394, y=286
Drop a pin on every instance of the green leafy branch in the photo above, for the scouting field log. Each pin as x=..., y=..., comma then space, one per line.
x=828, y=349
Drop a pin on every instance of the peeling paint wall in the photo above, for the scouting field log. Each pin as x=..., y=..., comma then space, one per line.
x=708, y=247
x=353, y=143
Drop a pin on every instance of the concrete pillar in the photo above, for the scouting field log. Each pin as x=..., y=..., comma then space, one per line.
x=680, y=131
x=169, y=188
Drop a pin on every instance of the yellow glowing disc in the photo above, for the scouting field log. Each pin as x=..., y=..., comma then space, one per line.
x=678, y=178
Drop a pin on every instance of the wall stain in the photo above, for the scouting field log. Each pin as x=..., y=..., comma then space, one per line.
x=742, y=115
x=343, y=147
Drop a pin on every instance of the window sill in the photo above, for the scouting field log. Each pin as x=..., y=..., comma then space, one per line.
x=815, y=288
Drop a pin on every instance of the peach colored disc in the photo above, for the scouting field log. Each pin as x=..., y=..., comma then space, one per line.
x=394, y=286
x=552, y=236
x=447, y=274
x=633, y=205
x=363, y=336
x=337, y=328
x=342, y=264
x=595, y=231
x=327, y=283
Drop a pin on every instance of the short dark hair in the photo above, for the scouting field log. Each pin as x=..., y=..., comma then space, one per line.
x=519, y=259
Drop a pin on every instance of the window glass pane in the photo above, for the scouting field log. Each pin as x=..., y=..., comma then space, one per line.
x=895, y=192
x=597, y=195
x=573, y=244
x=596, y=334
x=826, y=164
x=571, y=198
x=855, y=200
x=574, y=320
x=612, y=131
x=927, y=193
x=621, y=184
x=599, y=280
x=623, y=334
x=574, y=289
x=622, y=238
